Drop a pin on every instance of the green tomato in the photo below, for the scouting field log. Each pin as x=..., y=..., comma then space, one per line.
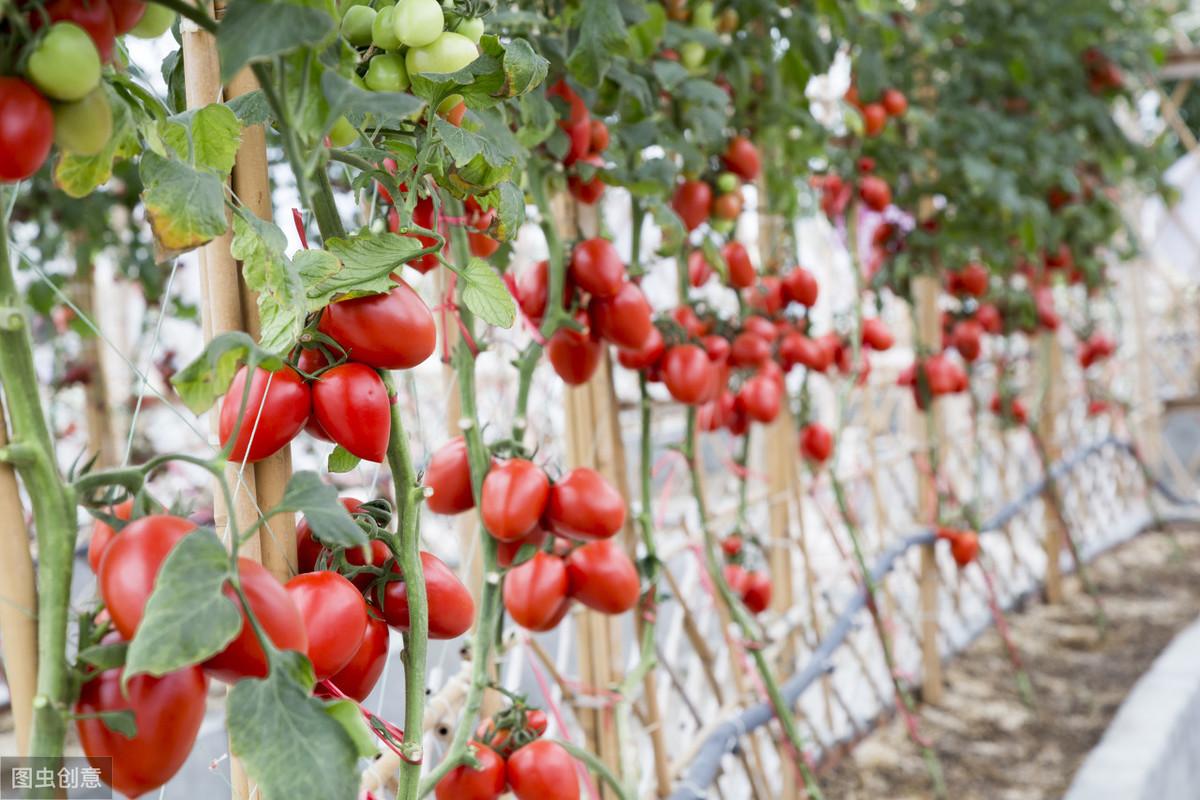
x=84, y=127
x=357, y=25
x=65, y=65
x=723, y=226
x=703, y=17
x=357, y=80
x=692, y=55
x=727, y=182
x=449, y=53
x=154, y=23
x=418, y=22
x=471, y=28
x=386, y=73
x=342, y=133
x=383, y=31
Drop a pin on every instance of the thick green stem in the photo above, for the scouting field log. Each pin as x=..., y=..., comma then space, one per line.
x=53, y=508
x=557, y=274
x=416, y=640
x=741, y=616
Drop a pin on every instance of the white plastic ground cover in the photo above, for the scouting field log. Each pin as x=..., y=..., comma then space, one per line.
x=1149, y=750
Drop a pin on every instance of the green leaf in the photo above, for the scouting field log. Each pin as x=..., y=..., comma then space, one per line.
x=602, y=35
x=524, y=69
x=251, y=108
x=289, y=742
x=486, y=295
x=282, y=303
x=317, y=268
x=186, y=208
x=510, y=210
x=351, y=719
x=341, y=460
x=216, y=135
x=201, y=382
x=104, y=656
x=329, y=520
x=383, y=107
x=122, y=722
x=368, y=259
x=188, y=618
x=255, y=30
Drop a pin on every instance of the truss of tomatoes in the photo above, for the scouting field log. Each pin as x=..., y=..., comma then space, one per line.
x=753, y=587
x=510, y=755
x=346, y=402
x=555, y=539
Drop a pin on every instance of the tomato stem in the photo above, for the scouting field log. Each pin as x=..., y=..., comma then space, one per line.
x=416, y=641
x=53, y=503
x=741, y=615
x=597, y=766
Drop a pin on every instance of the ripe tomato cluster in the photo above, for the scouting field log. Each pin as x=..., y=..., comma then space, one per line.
x=890, y=104
x=587, y=138
x=696, y=202
x=345, y=402
x=752, y=587
x=59, y=98
x=537, y=769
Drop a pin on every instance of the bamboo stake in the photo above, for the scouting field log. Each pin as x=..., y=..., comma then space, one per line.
x=18, y=600
x=928, y=336
x=1050, y=366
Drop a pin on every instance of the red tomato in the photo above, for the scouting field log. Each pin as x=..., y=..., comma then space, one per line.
x=451, y=607
x=989, y=317
x=972, y=279
x=741, y=158
x=964, y=547
x=130, y=564
x=482, y=245
x=764, y=327
x=699, y=270
x=506, y=552
x=645, y=356
x=168, y=712
x=624, y=319
x=589, y=191
x=94, y=16
x=575, y=355
x=875, y=192
x=584, y=505
x=728, y=206
x=351, y=404
x=688, y=320
x=874, y=118
x=536, y=592
x=449, y=477
x=308, y=549
x=756, y=592
x=532, y=287
x=761, y=397
x=269, y=422
x=816, y=442
x=335, y=619
x=800, y=286
x=360, y=674
x=693, y=203
x=126, y=14
x=731, y=545
x=716, y=414
x=26, y=129
x=876, y=335
x=393, y=330
x=894, y=102
x=741, y=270
x=967, y=337
x=465, y=782
x=603, y=577
x=735, y=576
x=513, y=498
x=543, y=770
x=103, y=533
x=799, y=349
x=688, y=373
x=577, y=124
x=1015, y=410
x=767, y=297
x=276, y=613
x=1044, y=301
x=749, y=350
x=596, y=267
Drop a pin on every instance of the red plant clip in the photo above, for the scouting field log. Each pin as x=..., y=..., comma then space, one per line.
x=299, y=220
x=448, y=306
x=388, y=733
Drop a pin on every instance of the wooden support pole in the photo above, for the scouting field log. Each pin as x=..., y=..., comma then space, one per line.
x=1050, y=380
x=18, y=601
x=1148, y=417
x=928, y=338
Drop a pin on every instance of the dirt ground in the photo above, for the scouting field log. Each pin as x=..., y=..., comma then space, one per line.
x=991, y=746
